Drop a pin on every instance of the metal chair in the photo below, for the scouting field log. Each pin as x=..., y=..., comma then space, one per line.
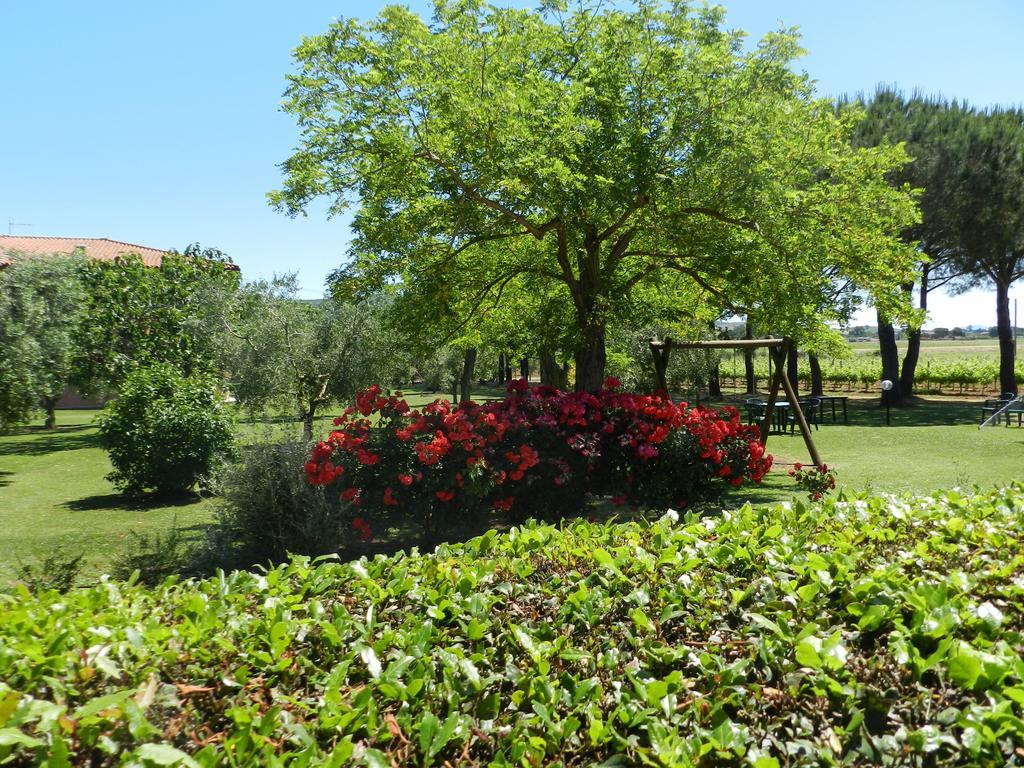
x=813, y=410
x=755, y=408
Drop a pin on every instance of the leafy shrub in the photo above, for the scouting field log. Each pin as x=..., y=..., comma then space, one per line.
x=537, y=452
x=816, y=481
x=58, y=569
x=150, y=558
x=267, y=509
x=164, y=431
x=870, y=631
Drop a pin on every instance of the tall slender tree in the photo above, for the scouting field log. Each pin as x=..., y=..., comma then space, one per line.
x=925, y=126
x=989, y=186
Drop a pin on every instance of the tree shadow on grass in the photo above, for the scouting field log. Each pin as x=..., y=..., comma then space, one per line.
x=4, y=478
x=118, y=501
x=49, y=442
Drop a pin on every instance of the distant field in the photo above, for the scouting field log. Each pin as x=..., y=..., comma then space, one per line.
x=950, y=366
x=929, y=347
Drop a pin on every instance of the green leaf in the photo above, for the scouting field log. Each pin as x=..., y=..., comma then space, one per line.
x=807, y=652
x=165, y=754
x=10, y=737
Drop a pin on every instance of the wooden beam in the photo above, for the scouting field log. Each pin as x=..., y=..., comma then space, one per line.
x=724, y=344
x=769, y=409
x=794, y=403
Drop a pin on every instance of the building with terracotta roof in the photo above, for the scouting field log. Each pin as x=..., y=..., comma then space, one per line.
x=99, y=248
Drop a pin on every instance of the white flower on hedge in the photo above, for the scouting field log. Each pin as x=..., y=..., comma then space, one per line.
x=671, y=516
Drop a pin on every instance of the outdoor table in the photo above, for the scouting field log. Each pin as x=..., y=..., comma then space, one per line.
x=832, y=399
x=781, y=415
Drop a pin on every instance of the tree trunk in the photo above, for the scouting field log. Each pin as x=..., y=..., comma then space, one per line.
x=524, y=369
x=748, y=361
x=793, y=367
x=590, y=359
x=909, y=371
x=551, y=371
x=714, y=383
x=890, y=357
x=661, y=357
x=307, y=423
x=466, y=383
x=50, y=405
x=501, y=368
x=1007, y=380
x=817, y=389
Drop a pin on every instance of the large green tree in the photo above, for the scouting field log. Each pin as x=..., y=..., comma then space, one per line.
x=136, y=315
x=615, y=147
x=40, y=312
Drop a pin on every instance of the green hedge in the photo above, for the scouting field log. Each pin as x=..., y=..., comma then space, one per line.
x=868, y=631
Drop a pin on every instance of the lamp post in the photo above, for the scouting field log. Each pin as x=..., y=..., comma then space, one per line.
x=886, y=389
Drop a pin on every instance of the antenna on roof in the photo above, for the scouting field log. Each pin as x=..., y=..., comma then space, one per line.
x=11, y=224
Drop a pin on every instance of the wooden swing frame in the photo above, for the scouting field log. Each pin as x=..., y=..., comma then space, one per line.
x=777, y=349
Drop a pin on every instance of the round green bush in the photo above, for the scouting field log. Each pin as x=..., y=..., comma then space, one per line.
x=165, y=432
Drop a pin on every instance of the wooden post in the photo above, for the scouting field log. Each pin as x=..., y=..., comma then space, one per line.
x=660, y=350
x=773, y=394
x=794, y=402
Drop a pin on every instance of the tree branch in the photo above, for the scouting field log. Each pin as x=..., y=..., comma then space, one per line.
x=640, y=202
x=750, y=224
x=537, y=230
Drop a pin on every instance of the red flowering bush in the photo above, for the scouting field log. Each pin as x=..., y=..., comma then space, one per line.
x=538, y=452
x=816, y=481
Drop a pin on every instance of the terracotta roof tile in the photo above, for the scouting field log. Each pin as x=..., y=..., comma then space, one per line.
x=99, y=248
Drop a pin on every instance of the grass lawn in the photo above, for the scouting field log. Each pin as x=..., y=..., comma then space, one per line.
x=933, y=444
x=53, y=492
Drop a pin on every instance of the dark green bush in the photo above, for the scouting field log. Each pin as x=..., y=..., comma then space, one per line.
x=267, y=509
x=165, y=432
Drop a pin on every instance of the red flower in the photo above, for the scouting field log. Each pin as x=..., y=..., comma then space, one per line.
x=405, y=479
x=362, y=528
x=350, y=494
x=389, y=499
x=619, y=500
x=445, y=495
x=504, y=504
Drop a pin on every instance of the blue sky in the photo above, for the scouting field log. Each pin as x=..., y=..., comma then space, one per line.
x=158, y=123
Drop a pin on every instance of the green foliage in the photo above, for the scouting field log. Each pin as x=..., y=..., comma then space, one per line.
x=40, y=308
x=137, y=315
x=267, y=509
x=150, y=558
x=630, y=359
x=866, y=631
x=303, y=355
x=57, y=570
x=165, y=431
x=613, y=156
